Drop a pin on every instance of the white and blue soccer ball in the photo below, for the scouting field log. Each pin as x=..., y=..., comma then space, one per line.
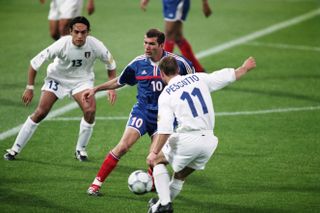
x=140, y=182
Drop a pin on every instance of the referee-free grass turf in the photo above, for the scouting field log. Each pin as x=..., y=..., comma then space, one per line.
x=267, y=123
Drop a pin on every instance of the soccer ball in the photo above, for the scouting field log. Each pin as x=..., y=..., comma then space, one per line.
x=140, y=182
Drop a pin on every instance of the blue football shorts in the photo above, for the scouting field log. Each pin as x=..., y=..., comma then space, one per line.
x=175, y=10
x=143, y=120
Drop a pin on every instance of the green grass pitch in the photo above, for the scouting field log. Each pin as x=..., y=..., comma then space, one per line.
x=268, y=157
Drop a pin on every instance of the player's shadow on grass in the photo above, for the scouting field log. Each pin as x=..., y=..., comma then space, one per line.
x=75, y=165
x=17, y=201
x=183, y=204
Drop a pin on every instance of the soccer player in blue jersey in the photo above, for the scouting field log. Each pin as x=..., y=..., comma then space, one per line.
x=144, y=72
x=175, y=13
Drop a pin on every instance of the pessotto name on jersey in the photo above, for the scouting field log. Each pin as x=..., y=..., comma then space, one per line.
x=180, y=84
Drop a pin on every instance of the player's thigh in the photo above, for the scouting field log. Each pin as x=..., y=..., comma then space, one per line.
x=179, y=151
x=207, y=146
x=47, y=100
x=53, y=26
x=184, y=173
x=88, y=105
x=138, y=120
x=128, y=139
x=184, y=149
x=77, y=91
x=173, y=30
x=64, y=26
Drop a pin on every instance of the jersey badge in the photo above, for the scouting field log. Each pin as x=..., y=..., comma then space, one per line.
x=87, y=54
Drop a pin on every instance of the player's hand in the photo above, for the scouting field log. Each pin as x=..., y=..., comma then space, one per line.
x=151, y=158
x=112, y=96
x=86, y=95
x=206, y=9
x=143, y=4
x=250, y=63
x=27, y=96
x=90, y=8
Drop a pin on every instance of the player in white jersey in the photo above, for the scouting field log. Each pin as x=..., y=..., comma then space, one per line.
x=189, y=145
x=70, y=74
x=62, y=12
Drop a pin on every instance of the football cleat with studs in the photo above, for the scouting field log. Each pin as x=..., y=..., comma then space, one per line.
x=94, y=190
x=10, y=155
x=151, y=203
x=164, y=209
x=81, y=155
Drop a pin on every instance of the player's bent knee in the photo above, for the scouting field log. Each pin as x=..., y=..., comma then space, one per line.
x=39, y=115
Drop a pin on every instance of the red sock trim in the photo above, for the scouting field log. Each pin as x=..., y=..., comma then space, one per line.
x=150, y=172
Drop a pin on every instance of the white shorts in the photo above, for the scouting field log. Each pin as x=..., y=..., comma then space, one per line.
x=65, y=9
x=192, y=149
x=62, y=89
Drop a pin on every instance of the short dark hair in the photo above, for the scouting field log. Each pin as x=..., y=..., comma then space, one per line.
x=80, y=19
x=156, y=33
x=169, y=65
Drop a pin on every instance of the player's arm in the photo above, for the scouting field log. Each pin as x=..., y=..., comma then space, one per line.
x=112, y=95
x=154, y=156
x=28, y=92
x=90, y=7
x=247, y=65
x=35, y=65
x=162, y=139
x=144, y=4
x=109, y=85
x=206, y=8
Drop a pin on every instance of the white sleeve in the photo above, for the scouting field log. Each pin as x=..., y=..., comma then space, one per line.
x=165, y=115
x=219, y=79
x=105, y=55
x=45, y=55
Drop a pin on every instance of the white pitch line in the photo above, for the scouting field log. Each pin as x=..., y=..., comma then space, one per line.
x=51, y=115
x=267, y=111
x=113, y=118
x=202, y=54
x=217, y=114
x=257, y=34
x=284, y=46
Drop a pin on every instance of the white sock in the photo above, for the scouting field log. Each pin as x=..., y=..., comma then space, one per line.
x=175, y=187
x=85, y=133
x=96, y=182
x=25, y=133
x=161, y=180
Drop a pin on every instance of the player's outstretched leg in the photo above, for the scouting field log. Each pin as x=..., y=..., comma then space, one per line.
x=85, y=133
x=106, y=168
x=25, y=133
x=10, y=154
x=158, y=208
x=186, y=51
x=94, y=190
x=152, y=202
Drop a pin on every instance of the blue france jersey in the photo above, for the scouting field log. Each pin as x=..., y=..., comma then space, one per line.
x=146, y=74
